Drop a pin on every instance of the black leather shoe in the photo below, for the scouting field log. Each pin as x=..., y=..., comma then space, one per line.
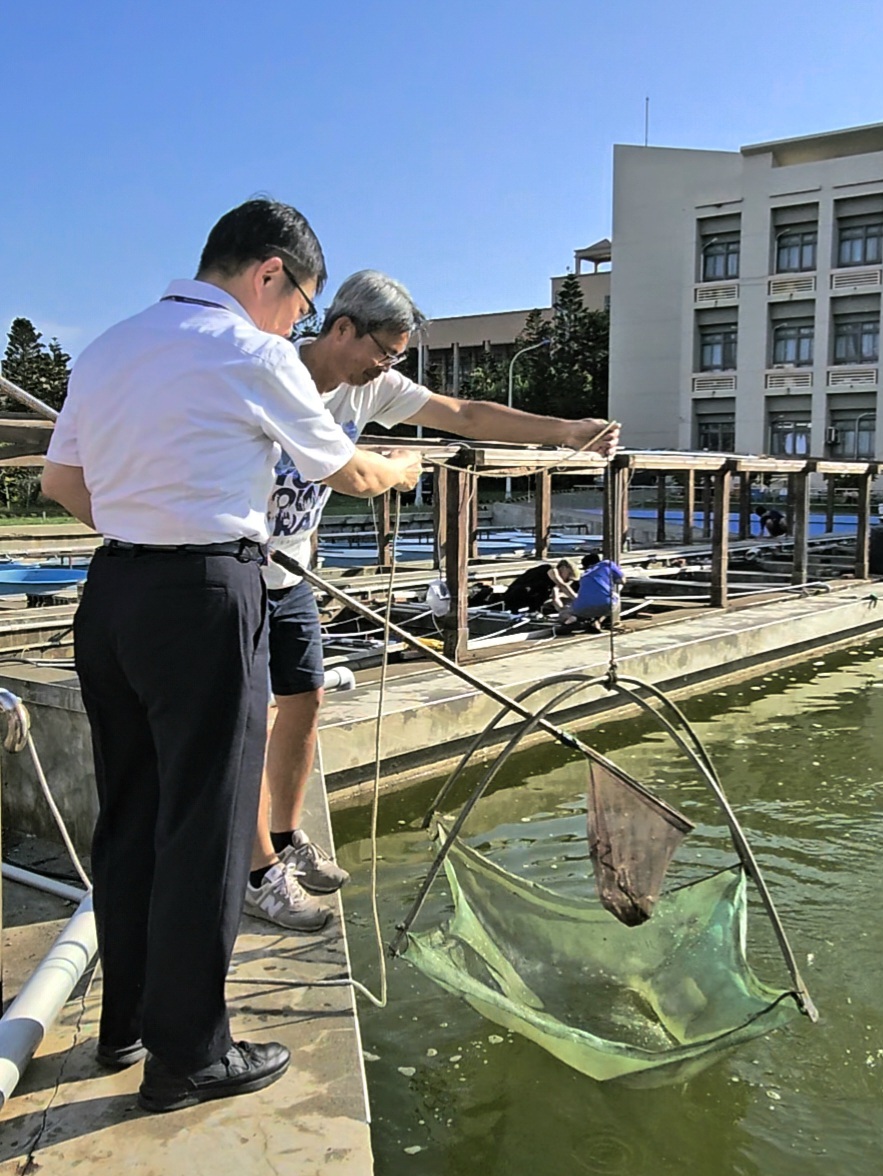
x=246, y=1066
x=119, y=1057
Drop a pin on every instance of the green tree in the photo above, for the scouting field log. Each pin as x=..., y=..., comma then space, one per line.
x=486, y=380
x=39, y=368
x=569, y=378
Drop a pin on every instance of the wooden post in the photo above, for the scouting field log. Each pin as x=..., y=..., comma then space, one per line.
x=660, y=507
x=384, y=529
x=789, y=503
x=829, y=506
x=863, y=529
x=455, y=624
x=473, y=517
x=689, y=502
x=439, y=513
x=707, y=485
x=745, y=506
x=543, y=513
x=616, y=480
x=720, y=543
x=800, y=529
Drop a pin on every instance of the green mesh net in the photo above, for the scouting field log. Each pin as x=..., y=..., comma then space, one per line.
x=607, y=999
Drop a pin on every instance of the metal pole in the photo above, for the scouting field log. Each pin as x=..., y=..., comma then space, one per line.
x=27, y=399
x=421, y=376
x=720, y=548
x=523, y=351
x=801, y=528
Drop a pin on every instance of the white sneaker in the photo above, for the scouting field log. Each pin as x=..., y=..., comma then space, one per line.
x=315, y=869
x=282, y=900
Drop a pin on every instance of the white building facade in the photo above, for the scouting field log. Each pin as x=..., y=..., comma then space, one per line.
x=745, y=296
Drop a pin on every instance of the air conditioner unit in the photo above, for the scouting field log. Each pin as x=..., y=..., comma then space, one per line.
x=832, y=436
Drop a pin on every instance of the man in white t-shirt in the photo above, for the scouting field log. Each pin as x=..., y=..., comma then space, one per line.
x=166, y=444
x=364, y=335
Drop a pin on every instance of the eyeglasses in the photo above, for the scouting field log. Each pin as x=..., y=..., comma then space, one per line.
x=390, y=358
x=311, y=306
x=282, y=254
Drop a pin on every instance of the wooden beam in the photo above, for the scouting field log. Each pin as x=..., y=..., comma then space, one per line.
x=384, y=530
x=863, y=529
x=707, y=509
x=439, y=513
x=720, y=539
x=661, y=504
x=616, y=480
x=829, y=505
x=456, y=624
x=744, y=505
x=689, y=504
x=800, y=527
x=543, y=514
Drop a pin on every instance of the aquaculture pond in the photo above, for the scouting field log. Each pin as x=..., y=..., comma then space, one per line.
x=800, y=753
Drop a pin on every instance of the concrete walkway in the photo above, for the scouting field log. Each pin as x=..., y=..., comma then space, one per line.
x=69, y=1116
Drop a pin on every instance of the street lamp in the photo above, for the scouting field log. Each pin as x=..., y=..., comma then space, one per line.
x=523, y=351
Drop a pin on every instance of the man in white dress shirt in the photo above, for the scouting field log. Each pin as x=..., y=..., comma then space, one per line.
x=364, y=336
x=167, y=442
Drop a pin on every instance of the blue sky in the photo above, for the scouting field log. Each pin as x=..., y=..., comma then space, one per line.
x=463, y=146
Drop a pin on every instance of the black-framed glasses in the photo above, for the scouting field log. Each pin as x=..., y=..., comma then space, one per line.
x=282, y=254
x=390, y=358
x=311, y=306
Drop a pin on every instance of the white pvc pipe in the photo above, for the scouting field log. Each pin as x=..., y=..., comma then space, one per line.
x=26, y=1021
x=41, y=882
x=340, y=678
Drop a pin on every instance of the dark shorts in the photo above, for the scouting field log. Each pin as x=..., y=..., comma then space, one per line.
x=295, y=640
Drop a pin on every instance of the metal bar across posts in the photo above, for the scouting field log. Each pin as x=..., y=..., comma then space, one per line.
x=456, y=623
x=829, y=506
x=720, y=544
x=661, y=503
x=689, y=504
x=543, y=504
x=707, y=492
x=863, y=528
x=745, y=505
x=800, y=529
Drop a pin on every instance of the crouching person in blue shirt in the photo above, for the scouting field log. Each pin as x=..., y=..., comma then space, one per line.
x=597, y=596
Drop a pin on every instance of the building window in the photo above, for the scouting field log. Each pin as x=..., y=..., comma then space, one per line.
x=793, y=344
x=717, y=348
x=717, y=433
x=860, y=244
x=789, y=437
x=720, y=258
x=857, y=340
x=855, y=435
x=796, y=250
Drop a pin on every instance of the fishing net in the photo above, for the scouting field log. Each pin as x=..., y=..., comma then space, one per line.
x=605, y=998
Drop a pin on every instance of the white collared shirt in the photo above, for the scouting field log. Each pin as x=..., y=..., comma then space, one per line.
x=178, y=416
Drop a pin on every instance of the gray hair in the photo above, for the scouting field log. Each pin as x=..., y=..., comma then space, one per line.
x=372, y=301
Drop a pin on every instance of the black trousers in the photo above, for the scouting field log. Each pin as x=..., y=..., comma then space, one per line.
x=171, y=651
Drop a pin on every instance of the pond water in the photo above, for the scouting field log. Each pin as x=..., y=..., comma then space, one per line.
x=800, y=754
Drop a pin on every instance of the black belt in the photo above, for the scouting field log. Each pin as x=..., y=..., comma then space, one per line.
x=244, y=549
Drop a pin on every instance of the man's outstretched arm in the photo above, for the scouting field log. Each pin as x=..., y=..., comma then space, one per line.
x=483, y=420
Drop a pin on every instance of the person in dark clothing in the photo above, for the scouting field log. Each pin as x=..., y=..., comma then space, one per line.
x=537, y=586
x=772, y=521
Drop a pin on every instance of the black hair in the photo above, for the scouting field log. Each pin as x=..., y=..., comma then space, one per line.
x=254, y=231
x=591, y=559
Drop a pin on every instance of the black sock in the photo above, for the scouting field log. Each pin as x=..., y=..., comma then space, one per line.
x=256, y=877
x=281, y=840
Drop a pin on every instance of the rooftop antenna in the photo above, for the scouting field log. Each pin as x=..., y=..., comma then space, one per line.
x=646, y=122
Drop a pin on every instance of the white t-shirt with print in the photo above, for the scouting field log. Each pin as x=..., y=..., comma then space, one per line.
x=296, y=504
